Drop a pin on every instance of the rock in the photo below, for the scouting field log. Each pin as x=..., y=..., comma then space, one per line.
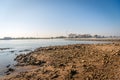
x=40, y=62
x=72, y=73
x=8, y=73
x=49, y=48
x=10, y=69
x=82, y=61
x=4, y=48
x=12, y=51
x=25, y=50
x=8, y=66
x=118, y=53
x=54, y=76
x=62, y=65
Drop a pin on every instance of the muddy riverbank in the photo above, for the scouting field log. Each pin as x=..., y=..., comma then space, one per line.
x=70, y=62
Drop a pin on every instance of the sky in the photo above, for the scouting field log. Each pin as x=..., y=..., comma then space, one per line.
x=50, y=18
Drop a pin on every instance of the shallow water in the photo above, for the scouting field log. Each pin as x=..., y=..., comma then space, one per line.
x=24, y=46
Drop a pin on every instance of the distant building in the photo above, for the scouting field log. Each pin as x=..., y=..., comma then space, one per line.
x=79, y=35
x=84, y=36
x=72, y=35
x=98, y=36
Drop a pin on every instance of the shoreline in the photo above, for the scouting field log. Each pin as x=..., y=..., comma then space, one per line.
x=76, y=61
x=6, y=71
x=78, y=39
x=95, y=39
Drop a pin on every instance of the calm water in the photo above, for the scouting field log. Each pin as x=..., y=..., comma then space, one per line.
x=18, y=46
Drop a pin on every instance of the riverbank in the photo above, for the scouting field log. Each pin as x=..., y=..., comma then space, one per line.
x=95, y=39
x=70, y=62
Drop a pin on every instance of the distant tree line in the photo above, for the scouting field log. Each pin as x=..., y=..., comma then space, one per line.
x=71, y=35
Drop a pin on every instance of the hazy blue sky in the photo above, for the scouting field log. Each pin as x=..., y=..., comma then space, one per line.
x=45, y=18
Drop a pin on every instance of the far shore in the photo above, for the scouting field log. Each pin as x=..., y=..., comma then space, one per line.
x=66, y=38
x=95, y=39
